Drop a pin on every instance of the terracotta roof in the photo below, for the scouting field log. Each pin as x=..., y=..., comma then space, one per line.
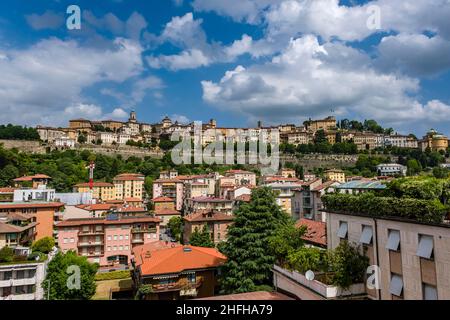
x=244, y=198
x=7, y=190
x=316, y=232
x=140, y=252
x=130, y=176
x=9, y=228
x=99, y=206
x=324, y=185
x=19, y=205
x=133, y=200
x=167, y=212
x=208, y=215
x=95, y=184
x=178, y=259
x=258, y=295
x=30, y=178
x=168, y=181
x=96, y=221
x=239, y=172
x=163, y=199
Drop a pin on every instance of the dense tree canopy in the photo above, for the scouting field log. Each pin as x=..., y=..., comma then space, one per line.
x=11, y=132
x=201, y=238
x=247, y=247
x=61, y=282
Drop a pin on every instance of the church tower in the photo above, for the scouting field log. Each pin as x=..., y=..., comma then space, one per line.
x=132, y=117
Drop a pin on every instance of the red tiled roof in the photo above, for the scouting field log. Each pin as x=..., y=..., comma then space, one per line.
x=163, y=199
x=129, y=176
x=168, y=181
x=133, y=200
x=139, y=252
x=244, y=198
x=7, y=190
x=239, y=172
x=19, y=205
x=209, y=199
x=316, y=231
x=30, y=178
x=95, y=184
x=178, y=259
x=167, y=212
x=324, y=185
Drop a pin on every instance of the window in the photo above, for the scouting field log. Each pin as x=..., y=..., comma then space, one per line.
x=109, y=238
x=191, y=277
x=120, y=248
x=425, y=248
x=115, y=248
x=396, y=287
x=20, y=274
x=393, y=240
x=115, y=238
x=108, y=249
x=149, y=236
x=343, y=230
x=366, y=235
x=127, y=248
x=127, y=237
x=120, y=237
x=429, y=292
x=65, y=240
x=72, y=240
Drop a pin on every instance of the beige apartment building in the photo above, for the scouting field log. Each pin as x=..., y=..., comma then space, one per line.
x=129, y=186
x=335, y=175
x=102, y=191
x=324, y=124
x=414, y=258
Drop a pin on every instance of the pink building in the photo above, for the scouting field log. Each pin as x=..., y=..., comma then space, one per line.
x=107, y=241
x=171, y=188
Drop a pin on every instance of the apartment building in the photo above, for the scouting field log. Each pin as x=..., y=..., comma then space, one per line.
x=39, y=194
x=108, y=240
x=35, y=181
x=306, y=201
x=391, y=169
x=44, y=214
x=102, y=191
x=335, y=175
x=208, y=204
x=170, y=188
x=216, y=222
x=48, y=134
x=164, y=209
x=324, y=124
x=22, y=281
x=129, y=185
x=177, y=273
x=16, y=230
x=242, y=177
x=298, y=138
x=284, y=193
x=413, y=257
x=401, y=141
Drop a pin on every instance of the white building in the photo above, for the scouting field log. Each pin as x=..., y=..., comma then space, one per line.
x=391, y=169
x=65, y=142
x=39, y=194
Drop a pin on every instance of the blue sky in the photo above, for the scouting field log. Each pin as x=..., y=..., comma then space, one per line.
x=238, y=61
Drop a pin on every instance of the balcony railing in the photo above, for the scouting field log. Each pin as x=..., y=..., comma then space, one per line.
x=137, y=240
x=183, y=284
x=144, y=230
x=90, y=243
x=91, y=232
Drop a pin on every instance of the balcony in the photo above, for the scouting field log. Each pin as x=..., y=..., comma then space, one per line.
x=90, y=243
x=144, y=230
x=92, y=254
x=137, y=240
x=91, y=233
x=180, y=285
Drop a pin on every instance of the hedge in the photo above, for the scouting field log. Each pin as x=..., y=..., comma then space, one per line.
x=429, y=211
x=113, y=275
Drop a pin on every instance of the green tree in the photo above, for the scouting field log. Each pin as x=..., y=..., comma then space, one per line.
x=440, y=173
x=44, y=245
x=414, y=167
x=249, y=261
x=82, y=139
x=7, y=174
x=6, y=254
x=175, y=225
x=61, y=268
x=201, y=238
x=286, y=239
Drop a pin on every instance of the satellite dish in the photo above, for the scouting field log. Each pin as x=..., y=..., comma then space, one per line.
x=309, y=275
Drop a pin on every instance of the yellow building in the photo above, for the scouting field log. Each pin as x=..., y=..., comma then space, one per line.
x=80, y=124
x=102, y=191
x=335, y=175
x=325, y=124
x=434, y=141
x=129, y=185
